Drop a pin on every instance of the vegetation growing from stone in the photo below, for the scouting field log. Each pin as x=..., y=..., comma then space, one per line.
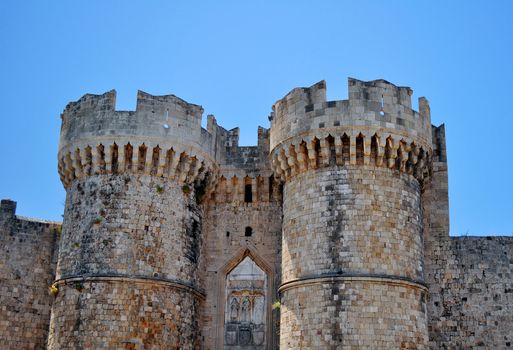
x=54, y=290
x=186, y=189
x=98, y=220
x=79, y=286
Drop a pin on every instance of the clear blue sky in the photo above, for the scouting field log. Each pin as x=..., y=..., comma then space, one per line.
x=236, y=58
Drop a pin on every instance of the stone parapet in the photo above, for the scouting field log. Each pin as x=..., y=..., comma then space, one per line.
x=377, y=105
x=162, y=137
x=375, y=126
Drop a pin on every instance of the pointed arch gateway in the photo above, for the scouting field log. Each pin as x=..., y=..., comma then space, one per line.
x=246, y=300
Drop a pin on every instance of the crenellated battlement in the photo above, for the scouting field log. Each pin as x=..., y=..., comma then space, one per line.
x=247, y=190
x=164, y=137
x=156, y=119
x=380, y=90
x=178, y=108
x=90, y=103
x=375, y=105
x=375, y=126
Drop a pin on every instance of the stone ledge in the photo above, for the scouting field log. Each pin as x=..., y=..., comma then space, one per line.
x=353, y=277
x=131, y=279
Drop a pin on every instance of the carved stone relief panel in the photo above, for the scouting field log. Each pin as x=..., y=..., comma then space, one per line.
x=245, y=310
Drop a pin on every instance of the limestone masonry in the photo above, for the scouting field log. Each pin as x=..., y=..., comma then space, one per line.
x=331, y=233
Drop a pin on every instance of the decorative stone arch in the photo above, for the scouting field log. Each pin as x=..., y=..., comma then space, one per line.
x=224, y=271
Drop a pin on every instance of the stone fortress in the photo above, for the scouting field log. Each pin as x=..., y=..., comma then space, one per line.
x=331, y=233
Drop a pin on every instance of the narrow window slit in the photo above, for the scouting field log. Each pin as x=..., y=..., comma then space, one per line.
x=374, y=149
x=271, y=183
x=129, y=150
x=142, y=157
x=346, y=148
x=101, y=158
x=155, y=160
x=114, y=158
x=359, y=150
x=248, y=194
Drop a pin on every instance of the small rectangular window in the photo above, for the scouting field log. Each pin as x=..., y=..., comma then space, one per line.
x=248, y=194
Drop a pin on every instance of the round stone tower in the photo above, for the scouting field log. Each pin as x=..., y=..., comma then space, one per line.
x=352, y=246
x=130, y=250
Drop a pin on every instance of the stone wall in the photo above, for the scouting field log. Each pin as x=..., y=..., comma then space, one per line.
x=128, y=225
x=470, y=278
x=471, y=293
x=352, y=219
x=124, y=314
x=27, y=268
x=227, y=243
x=130, y=251
x=354, y=314
x=173, y=233
x=352, y=260
x=242, y=228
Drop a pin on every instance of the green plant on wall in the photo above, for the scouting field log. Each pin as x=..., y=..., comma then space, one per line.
x=58, y=231
x=54, y=290
x=276, y=307
x=186, y=189
x=79, y=286
x=98, y=220
x=160, y=189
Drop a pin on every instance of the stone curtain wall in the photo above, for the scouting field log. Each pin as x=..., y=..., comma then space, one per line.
x=471, y=293
x=27, y=268
x=470, y=304
x=226, y=245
